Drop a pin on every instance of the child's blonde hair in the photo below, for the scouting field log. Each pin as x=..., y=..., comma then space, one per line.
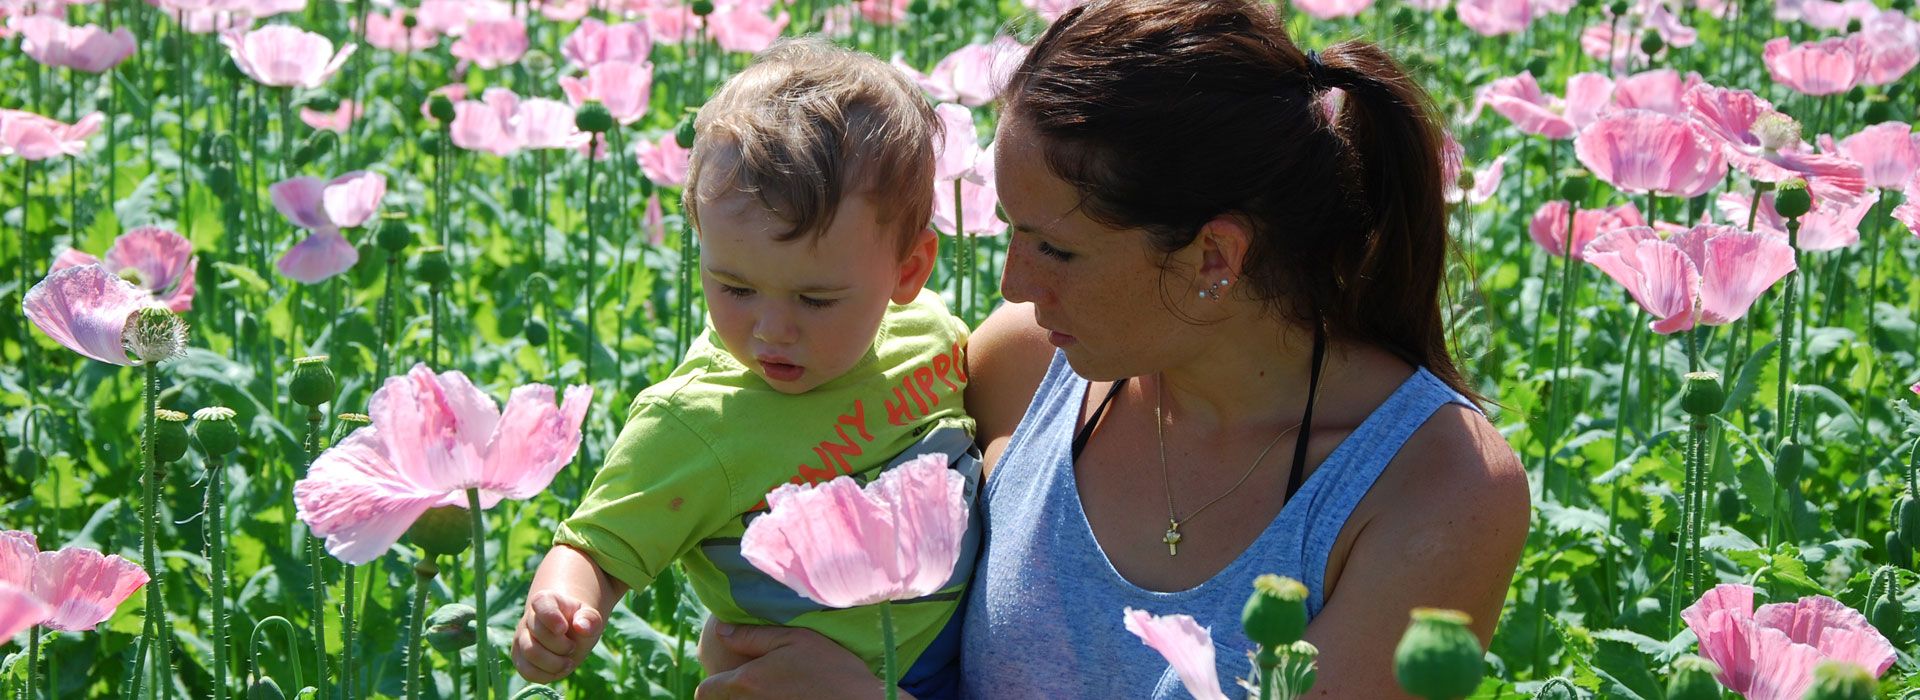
x=810, y=123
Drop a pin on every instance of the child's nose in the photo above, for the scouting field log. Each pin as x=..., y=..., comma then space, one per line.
x=776, y=328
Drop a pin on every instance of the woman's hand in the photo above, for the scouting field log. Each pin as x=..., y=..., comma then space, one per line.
x=747, y=661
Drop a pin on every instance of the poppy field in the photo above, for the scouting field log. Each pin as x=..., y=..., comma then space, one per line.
x=1686, y=235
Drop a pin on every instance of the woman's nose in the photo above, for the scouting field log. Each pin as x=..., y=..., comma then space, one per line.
x=1018, y=283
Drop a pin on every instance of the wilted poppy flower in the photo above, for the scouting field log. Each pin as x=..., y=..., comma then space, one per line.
x=1770, y=653
x=492, y=43
x=1828, y=226
x=663, y=161
x=86, y=48
x=81, y=587
x=153, y=259
x=336, y=121
x=1888, y=153
x=1549, y=226
x=1706, y=275
x=624, y=88
x=1826, y=67
x=1766, y=145
x=285, y=56
x=1185, y=645
x=841, y=546
x=85, y=308
x=35, y=137
x=433, y=437
x=1639, y=151
x=595, y=42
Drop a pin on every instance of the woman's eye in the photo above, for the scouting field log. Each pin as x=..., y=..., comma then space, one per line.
x=738, y=292
x=818, y=303
x=1055, y=253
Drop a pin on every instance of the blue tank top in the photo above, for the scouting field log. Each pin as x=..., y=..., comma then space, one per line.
x=1043, y=615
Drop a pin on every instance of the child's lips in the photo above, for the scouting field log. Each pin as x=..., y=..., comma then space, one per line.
x=781, y=371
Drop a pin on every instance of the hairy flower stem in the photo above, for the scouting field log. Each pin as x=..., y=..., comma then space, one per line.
x=216, y=506
x=316, y=564
x=384, y=361
x=889, y=657
x=156, y=601
x=1783, y=419
x=593, y=247
x=485, y=679
x=423, y=574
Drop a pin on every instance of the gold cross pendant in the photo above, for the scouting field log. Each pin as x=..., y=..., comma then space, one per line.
x=1172, y=538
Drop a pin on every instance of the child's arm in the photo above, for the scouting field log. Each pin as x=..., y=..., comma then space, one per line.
x=566, y=612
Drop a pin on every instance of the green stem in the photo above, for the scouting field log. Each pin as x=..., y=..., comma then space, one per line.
x=156, y=601
x=216, y=504
x=593, y=247
x=33, y=665
x=889, y=657
x=423, y=574
x=349, y=676
x=316, y=564
x=485, y=679
x=1787, y=306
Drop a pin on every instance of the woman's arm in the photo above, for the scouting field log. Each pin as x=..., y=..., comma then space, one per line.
x=1007, y=356
x=1448, y=534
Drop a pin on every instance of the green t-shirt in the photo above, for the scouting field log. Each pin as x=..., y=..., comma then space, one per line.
x=701, y=449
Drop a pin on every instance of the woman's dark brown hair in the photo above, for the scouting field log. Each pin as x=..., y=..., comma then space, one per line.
x=1168, y=113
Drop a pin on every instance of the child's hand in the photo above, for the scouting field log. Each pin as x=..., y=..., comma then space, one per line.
x=556, y=633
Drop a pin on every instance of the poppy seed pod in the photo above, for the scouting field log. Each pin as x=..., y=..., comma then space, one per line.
x=1879, y=110
x=1276, y=614
x=432, y=267
x=265, y=689
x=220, y=178
x=1450, y=15
x=917, y=7
x=1703, y=395
x=1886, y=614
x=313, y=383
x=451, y=628
x=683, y=132
x=1574, y=186
x=1537, y=66
x=1728, y=501
x=1297, y=666
x=155, y=334
x=1841, y=680
x=1788, y=462
x=593, y=118
x=409, y=21
x=1791, y=200
x=1909, y=513
x=442, y=531
x=1692, y=679
x=1651, y=43
x=536, y=331
x=323, y=102
x=393, y=235
x=702, y=8
x=1439, y=658
x=169, y=435
x=1898, y=552
x=214, y=429
x=1618, y=8
x=440, y=107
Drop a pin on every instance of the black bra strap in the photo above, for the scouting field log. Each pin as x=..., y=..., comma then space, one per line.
x=1086, y=431
x=1306, y=419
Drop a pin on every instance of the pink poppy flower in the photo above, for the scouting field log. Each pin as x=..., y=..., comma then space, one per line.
x=1707, y=275
x=1663, y=22
x=625, y=88
x=974, y=74
x=1909, y=210
x=285, y=56
x=1822, y=14
x=486, y=125
x=346, y=201
x=1185, y=645
x=1888, y=153
x=433, y=437
x=1601, y=43
x=318, y=257
x=1485, y=182
x=955, y=153
x=1658, y=90
x=85, y=308
x=664, y=161
x=562, y=10
x=389, y=32
x=595, y=42
x=745, y=27
x=1533, y=111
x=670, y=22
x=1333, y=9
x=212, y=20
x=335, y=121
x=1495, y=17
x=492, y=43
x=86, y=48
x=842, y=546
x=543, y=123
x=156, y=260
x=19, y=610
x=79, y=587
x=444, y=16
x=1051, y=10
x=653, y=221
x=35, y=137
x=1765, y=144
x=1828, y=226
x=1826, y=67
x=1888, y=45
x=1769, y=653
x=1549, y=226
x=1639, y=151
x=884, y=13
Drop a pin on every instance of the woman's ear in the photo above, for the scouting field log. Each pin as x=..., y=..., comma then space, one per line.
x=917, y=266
x=1224, y=242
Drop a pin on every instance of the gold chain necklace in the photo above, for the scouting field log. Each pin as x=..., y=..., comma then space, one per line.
x=1173, y=537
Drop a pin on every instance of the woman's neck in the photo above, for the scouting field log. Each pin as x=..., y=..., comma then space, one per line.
x=1251, y=374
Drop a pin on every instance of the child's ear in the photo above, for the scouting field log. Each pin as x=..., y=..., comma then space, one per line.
x=917, y=266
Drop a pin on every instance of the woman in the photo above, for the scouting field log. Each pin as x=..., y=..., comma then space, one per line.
x=1223, y=356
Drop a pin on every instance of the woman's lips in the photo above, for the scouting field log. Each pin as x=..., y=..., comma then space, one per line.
x=1060, y=340
x=782, y=371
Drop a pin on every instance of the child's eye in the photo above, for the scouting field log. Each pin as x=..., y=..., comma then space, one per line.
x=739, y=292
x=1055, y=253
x=818, y=303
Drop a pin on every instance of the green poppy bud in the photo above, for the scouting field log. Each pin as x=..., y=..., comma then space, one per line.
x=683, y=132
x=1729, y=504
x=702, y=8
x=409, y=21
x=1886, y=614
x=1856, y=95
x=265, y=689
x=1651, y=43
x=155, y=334
x=442, y=531
x=214, y=429
x=536, y=331
x=1557, y=688
x=1537, y=66
x=1574, y=186
x=1439, y=658
x=1450, y=15
x=431, y=142
x=323, y=102
x=221, y=179
x=1841, y=680
x=1692, y=679
x=522, y=198
x=1909, y=513
x=593, y=118
x=1791, y=199
x=1899, y=551
x=169, y=435
x=393, y=235
x=1703, y=395
x=1879, y=110
x=440, y=107
x=1618, y=8
x=451, y=628
x=1276, y=613
x=432, y=266
x=1787, y=465
x=322, y=142
x=917, y=7
x=313, y=383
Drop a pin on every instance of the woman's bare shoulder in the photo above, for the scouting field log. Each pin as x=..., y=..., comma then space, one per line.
x=1007, y=356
